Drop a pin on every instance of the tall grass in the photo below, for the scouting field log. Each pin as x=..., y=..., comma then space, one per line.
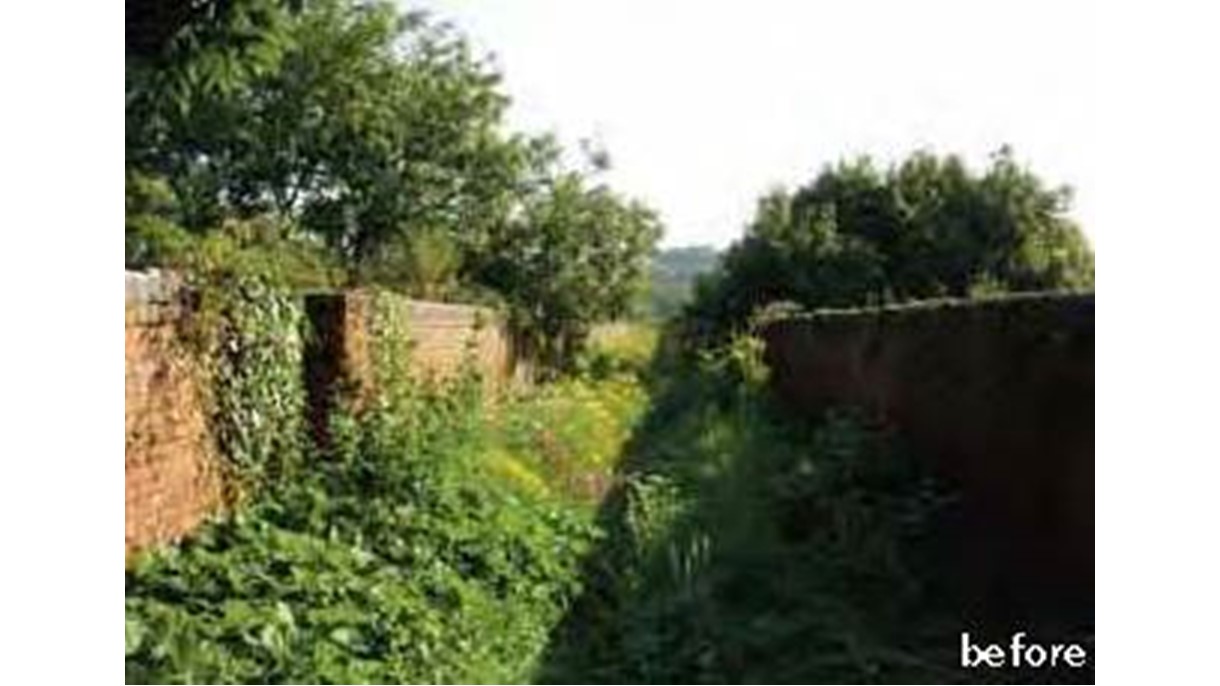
x=741, y=547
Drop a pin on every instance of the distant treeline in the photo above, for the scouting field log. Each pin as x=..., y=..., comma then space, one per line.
x=672, y=278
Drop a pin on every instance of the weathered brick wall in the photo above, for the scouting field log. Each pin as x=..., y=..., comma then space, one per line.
x=172, y=481
x=172, y=471
x=998, y=394
x=441, y=334
x=441, y=337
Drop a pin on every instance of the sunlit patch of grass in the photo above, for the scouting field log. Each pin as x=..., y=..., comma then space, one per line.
x=503, y=465
x=569, y=435
x=630, y=342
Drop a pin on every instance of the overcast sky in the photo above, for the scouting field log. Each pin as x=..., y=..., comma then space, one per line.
x=704, y=105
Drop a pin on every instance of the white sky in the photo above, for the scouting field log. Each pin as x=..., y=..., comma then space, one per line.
x=704, y=105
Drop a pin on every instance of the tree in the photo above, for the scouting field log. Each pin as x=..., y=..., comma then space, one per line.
x=180, y=52
x=157, y=29
x=574, y=256
x=924, y=228
x=368, y=125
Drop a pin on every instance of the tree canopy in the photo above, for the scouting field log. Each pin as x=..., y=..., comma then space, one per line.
x=371, y=140
x=927, y=227
x=578, y=254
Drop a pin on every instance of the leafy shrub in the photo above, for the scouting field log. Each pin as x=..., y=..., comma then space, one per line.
x=423, y=265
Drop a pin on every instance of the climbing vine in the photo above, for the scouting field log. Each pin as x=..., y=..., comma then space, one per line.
x=247, y=332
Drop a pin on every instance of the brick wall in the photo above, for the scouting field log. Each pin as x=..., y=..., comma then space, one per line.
x=440, y=336
x=998, y=395
x=172, y=472
x=172, y=481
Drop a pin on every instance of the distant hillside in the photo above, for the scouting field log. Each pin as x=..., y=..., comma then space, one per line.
x=673, y=276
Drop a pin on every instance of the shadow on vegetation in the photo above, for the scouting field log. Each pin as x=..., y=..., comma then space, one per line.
x=742, y=546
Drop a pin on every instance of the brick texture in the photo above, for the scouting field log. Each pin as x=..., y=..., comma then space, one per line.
x=171, y=478
x=441, y=337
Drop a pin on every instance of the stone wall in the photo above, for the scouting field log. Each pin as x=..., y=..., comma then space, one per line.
x=997, y=394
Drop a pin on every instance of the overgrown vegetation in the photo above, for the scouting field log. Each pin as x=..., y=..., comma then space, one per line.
x=645, y=520
x=257, y=403
x=745, y=548
x=644, y=516
x=428, y=543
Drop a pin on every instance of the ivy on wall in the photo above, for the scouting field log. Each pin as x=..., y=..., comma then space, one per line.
x=249, y=333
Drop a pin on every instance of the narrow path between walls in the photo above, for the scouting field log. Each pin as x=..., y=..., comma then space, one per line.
x=741, y=547
x=647, y=520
